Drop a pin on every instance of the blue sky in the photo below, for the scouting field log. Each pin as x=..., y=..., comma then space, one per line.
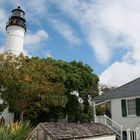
x=104, y=34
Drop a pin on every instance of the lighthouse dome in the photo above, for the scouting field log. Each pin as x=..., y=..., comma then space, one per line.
x=17, y=18
x=18, y=13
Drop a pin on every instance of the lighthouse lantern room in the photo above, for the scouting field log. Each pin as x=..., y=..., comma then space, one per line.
x=15, y=32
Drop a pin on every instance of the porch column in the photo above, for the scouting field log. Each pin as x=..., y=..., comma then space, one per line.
x=94, y=112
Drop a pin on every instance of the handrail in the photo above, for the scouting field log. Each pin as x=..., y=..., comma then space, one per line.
x=112, y=121
x=117, y=128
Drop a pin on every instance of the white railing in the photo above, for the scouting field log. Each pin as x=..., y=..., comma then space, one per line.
x=133, y=134
x=110, y=123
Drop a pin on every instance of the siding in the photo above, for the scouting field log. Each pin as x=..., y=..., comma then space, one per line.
x=127, y=122
x=102, y=138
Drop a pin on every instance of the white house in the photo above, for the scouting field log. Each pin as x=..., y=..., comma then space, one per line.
x=125, y=108
x=5, y=116
x=67, y=131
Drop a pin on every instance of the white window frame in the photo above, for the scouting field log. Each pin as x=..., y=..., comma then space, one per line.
x=127, y=106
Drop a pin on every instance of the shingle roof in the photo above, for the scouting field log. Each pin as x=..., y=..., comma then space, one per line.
x=59, y=131
x=127, y=90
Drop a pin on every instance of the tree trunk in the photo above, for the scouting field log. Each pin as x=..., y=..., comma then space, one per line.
x=21, y=115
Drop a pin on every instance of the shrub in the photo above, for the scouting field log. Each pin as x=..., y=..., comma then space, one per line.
x=15, y=131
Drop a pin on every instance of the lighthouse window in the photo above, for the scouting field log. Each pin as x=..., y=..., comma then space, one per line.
x=17, y=13
x=14, y=21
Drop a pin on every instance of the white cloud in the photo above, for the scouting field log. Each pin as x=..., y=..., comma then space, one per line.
x=103, y=54
x=86, y=14
x=33, y=44
x=1, y=49
x=37, y=6
x=3, y=20
x=123, y=18
x=66, y=31
x=120, y=73
x=36, y=37
x=48, y=54
x=26, y=53
x=108, y=24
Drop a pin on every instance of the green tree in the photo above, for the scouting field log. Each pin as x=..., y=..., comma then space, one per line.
x=104, y=88
x=31, y=85
x=80, y=78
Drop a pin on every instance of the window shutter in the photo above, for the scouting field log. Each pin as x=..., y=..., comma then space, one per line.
x=124, y=111
x=138, y=106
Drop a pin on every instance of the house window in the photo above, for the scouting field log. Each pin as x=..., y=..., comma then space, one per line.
x=131, y=107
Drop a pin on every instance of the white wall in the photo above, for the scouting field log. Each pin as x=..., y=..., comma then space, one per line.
x=41, y=136
x=113, y=137
x=9, y=117
x=1, y=101
x=14, y=40
x=127, y=122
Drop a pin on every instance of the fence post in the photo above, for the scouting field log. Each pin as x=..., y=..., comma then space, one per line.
x=121, y=132
x=95, y=119
x=128, y=134
x=94, y=112
x=137, y=133
x=105, y=119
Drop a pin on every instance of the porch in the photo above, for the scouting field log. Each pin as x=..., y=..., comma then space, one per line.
x=117, y=128
x=129, y=134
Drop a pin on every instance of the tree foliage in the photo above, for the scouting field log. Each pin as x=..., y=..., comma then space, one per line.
x=33, y=86
x=104, y=88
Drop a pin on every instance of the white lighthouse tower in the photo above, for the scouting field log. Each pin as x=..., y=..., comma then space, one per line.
x=15, y=32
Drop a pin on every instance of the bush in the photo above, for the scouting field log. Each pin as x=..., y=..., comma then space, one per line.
x=15, y=131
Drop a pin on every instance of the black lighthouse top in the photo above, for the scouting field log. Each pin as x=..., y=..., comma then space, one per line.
x=17, y=18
